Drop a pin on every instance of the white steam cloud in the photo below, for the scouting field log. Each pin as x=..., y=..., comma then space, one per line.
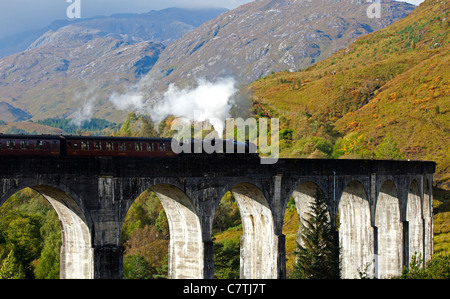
x=88, y=98
x=134, y=98
x=208, y=101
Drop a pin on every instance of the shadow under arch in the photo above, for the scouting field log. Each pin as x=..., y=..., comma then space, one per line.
x=414, y=222
x=428, y=220
x=186, y=247
x=389, y=232
x=355, y=231
x=258, y=242
x=76, y=254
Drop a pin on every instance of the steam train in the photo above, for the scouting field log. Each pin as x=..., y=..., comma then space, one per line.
x=53, y=145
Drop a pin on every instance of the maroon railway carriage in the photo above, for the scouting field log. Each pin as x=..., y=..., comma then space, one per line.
x=116, y=146
x=49, y=145
x=29, y=145
x=52, y=145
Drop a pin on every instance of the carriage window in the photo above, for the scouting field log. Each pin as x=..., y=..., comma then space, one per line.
x=24, y=144
x=150, y=146
x=75, y=145
x=109, y=146
x=138, y=146
x=10, y=144
x=38, y=145
x=97, y=145
x=54, y=145
x=84, y=145
x=122, y=146
x=161, y=147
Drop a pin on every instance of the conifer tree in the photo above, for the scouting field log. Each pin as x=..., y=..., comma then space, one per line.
x=318, y=255
x=12, y=268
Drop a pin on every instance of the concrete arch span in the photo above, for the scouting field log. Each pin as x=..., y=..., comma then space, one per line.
x=258, y=242
x=76, y=257
x=355, y=231
x=389, y=232
x=186, y=244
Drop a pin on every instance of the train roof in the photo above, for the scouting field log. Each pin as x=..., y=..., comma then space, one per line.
x=75, y=137
x=23, y=136
x=114, y=138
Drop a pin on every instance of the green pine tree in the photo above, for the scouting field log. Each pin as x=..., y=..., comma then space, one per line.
x=226, y=259
x=318, y=256
x=12, y=268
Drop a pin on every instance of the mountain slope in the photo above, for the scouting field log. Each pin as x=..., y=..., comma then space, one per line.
x=19, y=42
x=71, y=70
x=163, y=26
x=394, y=82
x=271, y=35
x=9, y=113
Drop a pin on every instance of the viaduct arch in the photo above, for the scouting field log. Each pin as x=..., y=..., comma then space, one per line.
x=355, y=231
x=389, y=251
x=76, y=258
x=382, y=209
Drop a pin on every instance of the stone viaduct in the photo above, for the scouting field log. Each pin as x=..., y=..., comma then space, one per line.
x=382, y=209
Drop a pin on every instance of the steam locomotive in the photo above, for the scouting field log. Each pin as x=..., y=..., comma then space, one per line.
x=53, y=145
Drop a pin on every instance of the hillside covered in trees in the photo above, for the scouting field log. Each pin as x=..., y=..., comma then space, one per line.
x=387, y=95
x=30, y=238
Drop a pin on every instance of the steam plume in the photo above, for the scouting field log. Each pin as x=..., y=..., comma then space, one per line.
x=208, y=101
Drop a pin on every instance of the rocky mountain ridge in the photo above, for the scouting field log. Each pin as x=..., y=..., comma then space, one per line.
x=163, y=26
x=71, y=68
x=260, y=37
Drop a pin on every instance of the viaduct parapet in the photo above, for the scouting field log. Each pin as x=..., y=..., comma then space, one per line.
x=383, y=209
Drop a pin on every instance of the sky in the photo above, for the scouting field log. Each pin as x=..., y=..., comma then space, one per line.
x=22, y=15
